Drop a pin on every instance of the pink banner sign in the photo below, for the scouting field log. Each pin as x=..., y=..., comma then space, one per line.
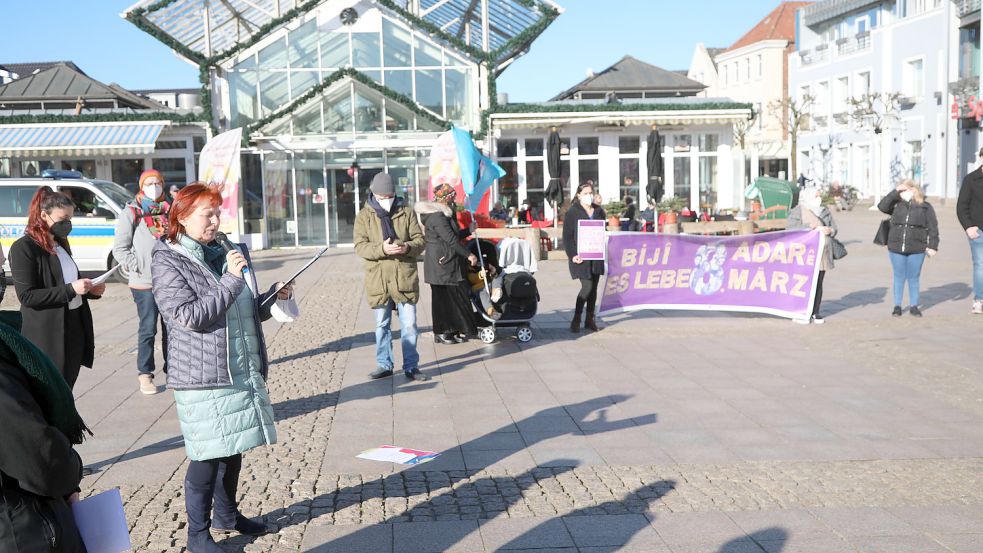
x=218, y=166
x=590, y=239
x=773, y=273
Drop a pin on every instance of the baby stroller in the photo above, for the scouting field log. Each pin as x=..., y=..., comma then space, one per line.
x=520, y=298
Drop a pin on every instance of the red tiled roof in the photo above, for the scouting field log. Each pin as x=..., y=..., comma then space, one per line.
x=779, y=24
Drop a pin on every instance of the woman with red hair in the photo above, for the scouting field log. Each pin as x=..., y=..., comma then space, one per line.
x=53, y=298
x=216, y=360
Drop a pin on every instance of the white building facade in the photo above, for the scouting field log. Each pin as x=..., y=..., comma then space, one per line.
x=855, y=48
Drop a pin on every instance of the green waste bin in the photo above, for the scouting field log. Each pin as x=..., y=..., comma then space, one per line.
x=777, y=196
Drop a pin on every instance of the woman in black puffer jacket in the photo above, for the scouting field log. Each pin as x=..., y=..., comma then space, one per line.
x=914, y=234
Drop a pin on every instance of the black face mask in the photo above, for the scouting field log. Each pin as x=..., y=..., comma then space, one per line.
x=61, y=229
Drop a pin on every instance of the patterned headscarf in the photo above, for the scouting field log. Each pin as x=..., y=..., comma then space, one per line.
x=444, y=193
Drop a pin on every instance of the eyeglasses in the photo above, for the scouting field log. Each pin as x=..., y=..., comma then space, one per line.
x=152, y=182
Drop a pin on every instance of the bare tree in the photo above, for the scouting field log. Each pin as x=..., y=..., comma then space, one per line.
x=875, y=110
x=793, y=115
x=743, y=127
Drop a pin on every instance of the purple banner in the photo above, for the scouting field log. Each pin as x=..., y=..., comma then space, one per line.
x=772, y=273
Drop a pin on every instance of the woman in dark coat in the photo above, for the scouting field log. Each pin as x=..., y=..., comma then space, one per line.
x=53, y=298
x=444, y=263
x=914, y=234
x=587, y=272
x=39, y=470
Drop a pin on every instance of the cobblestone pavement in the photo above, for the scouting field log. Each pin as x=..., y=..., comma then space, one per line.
x=664, y=432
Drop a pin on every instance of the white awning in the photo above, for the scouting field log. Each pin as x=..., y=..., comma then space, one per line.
x=74, y=139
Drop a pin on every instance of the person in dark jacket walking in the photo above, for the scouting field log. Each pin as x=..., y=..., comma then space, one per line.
x=40, y=472
x=444, y=263
x=587, y=272
x=969, y=209
x=810, y=213
x=141, y=224
x=914, y=234
x=217, y=363
x=54, y=300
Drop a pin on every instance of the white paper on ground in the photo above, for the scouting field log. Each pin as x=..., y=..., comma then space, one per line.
x=102, y=523
x=105, y=276
x=395, y=454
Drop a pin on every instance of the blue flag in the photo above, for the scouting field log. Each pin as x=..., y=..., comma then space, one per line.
x=478, y=171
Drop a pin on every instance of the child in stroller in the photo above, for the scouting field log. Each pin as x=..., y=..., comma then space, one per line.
x=512, y=292
x=479, y=290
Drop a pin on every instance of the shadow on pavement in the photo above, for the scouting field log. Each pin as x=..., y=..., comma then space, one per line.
x=775, y=537
x=152, y=449
x=954, y=291
x=583, y=418
x=853, y=300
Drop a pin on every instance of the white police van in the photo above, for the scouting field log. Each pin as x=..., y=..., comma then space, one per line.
x=98, y=204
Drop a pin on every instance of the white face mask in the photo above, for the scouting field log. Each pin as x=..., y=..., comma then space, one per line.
x=907, y=195
x=153, y=191
x=386, y=203
x=586, y=199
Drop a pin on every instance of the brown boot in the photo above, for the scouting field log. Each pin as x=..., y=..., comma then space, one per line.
x=575, y=323
x=590, y=323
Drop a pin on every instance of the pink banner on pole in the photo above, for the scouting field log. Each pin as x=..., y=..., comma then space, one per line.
x=218, y=165
x=773, y=273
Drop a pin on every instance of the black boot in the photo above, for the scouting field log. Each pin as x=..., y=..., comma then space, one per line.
x=590, y=323
x=198, y=504
x=578, y=312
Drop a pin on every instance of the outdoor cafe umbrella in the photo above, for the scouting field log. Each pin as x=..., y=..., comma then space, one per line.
x=554, y=191
x=656, y=186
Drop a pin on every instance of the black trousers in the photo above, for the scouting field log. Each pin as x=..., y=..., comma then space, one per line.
x=451, y=309
x=74, y=346
x=819, y=294
x=207, y=481
x=587, y=295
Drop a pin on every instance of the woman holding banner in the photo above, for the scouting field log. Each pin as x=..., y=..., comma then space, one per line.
x=810, y=213
x=587, y=272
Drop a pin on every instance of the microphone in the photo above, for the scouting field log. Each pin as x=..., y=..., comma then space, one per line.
x=226, y=244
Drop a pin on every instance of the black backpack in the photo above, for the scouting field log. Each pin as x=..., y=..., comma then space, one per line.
x=520, y=286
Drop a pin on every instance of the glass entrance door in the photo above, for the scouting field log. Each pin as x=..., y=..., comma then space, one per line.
x=311, y=199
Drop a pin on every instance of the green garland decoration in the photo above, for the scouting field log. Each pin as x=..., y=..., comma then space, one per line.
x=99, y=118
x=655, y=106
x=331, y=80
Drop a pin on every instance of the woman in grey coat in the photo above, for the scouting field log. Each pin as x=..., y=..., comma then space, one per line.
x=217, y=361
x=141, y=224
x=810, y=213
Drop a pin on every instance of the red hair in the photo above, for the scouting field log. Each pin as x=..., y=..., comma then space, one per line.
x=46, y=200
x=185, y=202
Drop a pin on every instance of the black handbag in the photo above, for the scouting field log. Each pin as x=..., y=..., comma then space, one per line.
x=882, y=232
x=33, y=524
x=837, y=247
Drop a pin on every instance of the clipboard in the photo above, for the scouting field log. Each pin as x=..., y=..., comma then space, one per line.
x=293, y=277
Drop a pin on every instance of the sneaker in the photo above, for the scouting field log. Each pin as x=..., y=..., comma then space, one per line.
x=914, y=311
x=802, y=321
x=380, y=372
x=415, y=374
x=147, y=386
x=897, y=311
x=818, y=320
x=977, y=307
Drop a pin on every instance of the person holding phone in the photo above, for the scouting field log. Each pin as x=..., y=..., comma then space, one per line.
x=54, y=299
x=389, y=239
x=216, y=358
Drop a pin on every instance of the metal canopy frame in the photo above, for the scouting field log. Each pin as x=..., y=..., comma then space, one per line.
x=210, y=27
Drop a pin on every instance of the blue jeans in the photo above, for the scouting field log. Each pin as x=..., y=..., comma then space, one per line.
x=407, y=335
x=147, y=332
x=976, y=248
x=907, y=268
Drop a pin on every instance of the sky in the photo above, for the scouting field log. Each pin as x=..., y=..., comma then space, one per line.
x=590, y=34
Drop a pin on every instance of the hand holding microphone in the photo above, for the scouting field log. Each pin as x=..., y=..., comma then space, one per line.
x=235, y=261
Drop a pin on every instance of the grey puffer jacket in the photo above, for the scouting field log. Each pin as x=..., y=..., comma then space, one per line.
x=194, y=305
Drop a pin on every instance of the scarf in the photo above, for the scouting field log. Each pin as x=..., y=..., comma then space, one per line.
x=386, y=217
x=153, y=213
x=212, y=255
x=45, y=381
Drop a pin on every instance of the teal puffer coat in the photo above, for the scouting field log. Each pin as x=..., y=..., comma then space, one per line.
x=223, y=420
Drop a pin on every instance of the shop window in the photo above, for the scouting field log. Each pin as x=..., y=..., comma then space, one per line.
x=588, y=170
x=85, y=166
x=301, y=82
x=628, y=173
x=334, y=50
x=15, y=201
x=427, y=55
x=126, y=172
x=400, y=81
x=398, y=118
x=397, y=45
x=34, y=168
x=368, y=114
x=366, y=50
x=682, y=178
x=429, y=93
x=303, y=46
x=245, y=106
x=274, y=56
x=273, y=90
x=252, y=193
x=4, y=167
x=535, y=188
x=306, y=121
x=708, y=182
x=507, y=148
x=708, y=142
x=628, y=144
x=587, y=146
x=173, y=170
x=534, y=147
x=458, y=95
